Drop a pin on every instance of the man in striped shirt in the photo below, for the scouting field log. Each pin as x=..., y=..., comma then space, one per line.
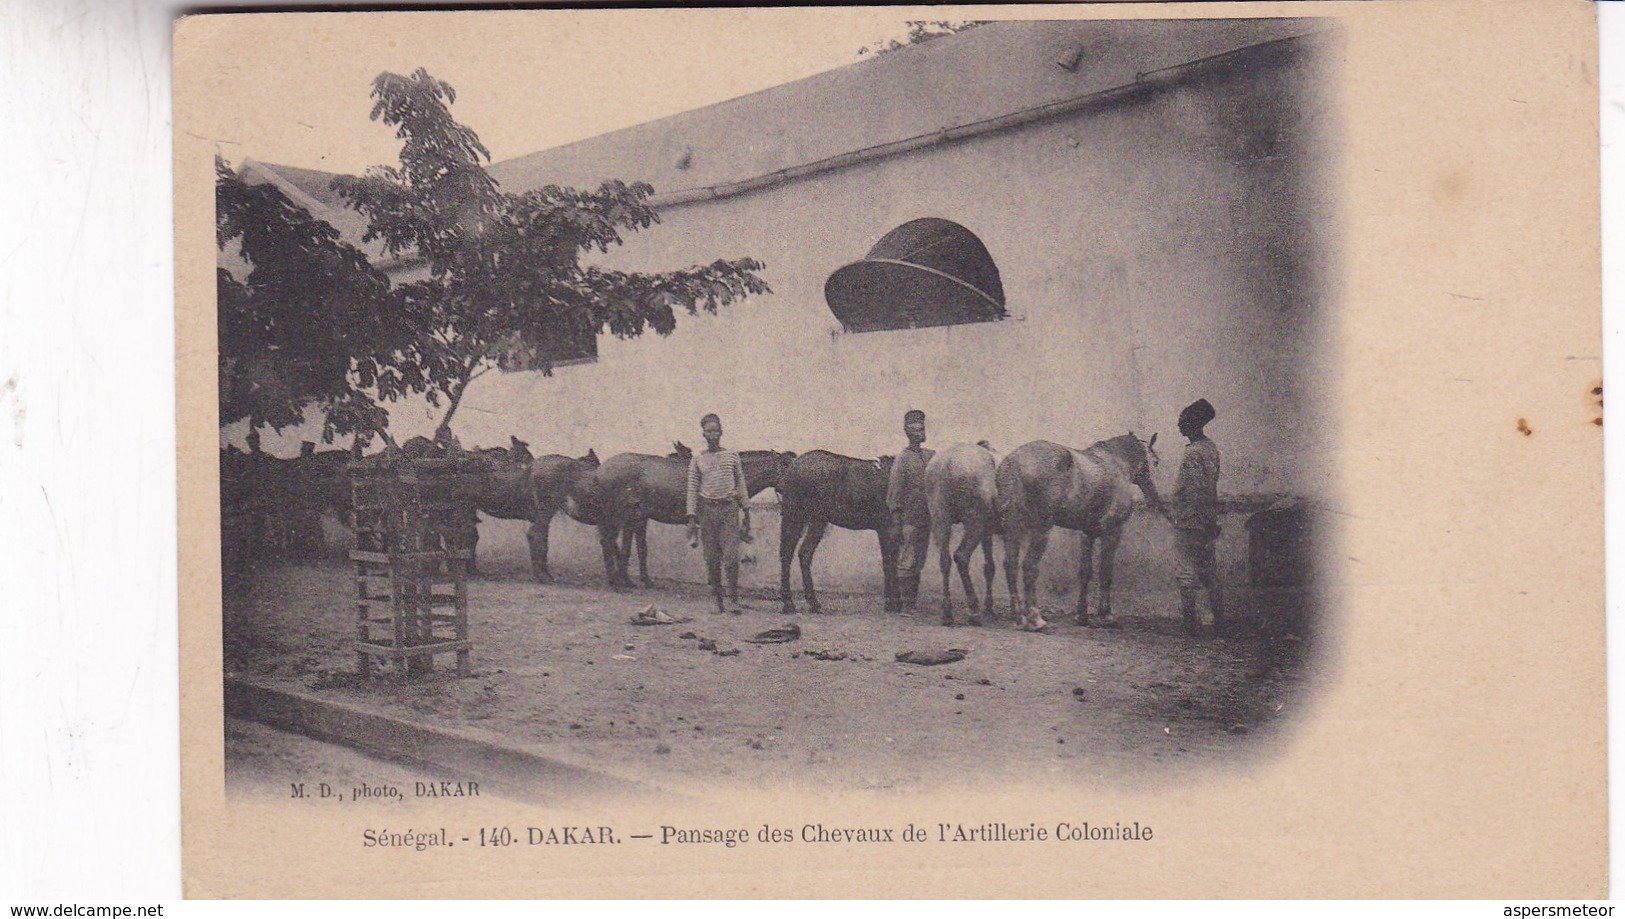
x=717, y=498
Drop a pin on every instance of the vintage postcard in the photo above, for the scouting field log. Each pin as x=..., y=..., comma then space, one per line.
x=1132, y=451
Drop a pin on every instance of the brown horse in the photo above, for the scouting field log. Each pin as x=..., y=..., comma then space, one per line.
x=500, y=487
x=821, y=488
x=502, y=490
x=276, y=504
x=1043, y=485
x=553, y=479
x=961, y=488
x=630, y=489
x=327, y=473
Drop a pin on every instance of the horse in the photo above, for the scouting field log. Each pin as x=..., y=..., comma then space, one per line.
x=960, y=484
x=502, y=489
x=1043, y=485
x=553, y=479
x=498, y=485
x=821, y=488
x=630, y=489
x=324, y=477
x=276, y=503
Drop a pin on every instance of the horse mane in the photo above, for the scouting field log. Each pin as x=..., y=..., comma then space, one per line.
x=1126, y=447
x=833, y=455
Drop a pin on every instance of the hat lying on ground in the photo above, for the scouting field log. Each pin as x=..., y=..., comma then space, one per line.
x=654, y=615
x=927, y=658
x=784, y=633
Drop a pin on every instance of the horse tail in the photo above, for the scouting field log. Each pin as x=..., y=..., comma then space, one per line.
x=792, y=522
x=1009, y=497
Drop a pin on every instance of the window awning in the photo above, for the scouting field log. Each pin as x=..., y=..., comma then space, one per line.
x=927, y=272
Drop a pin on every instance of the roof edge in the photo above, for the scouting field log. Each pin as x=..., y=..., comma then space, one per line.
x=1149, y=81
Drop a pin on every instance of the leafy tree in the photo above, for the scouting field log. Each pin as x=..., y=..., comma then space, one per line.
x=504, y=272
x=920, y=31
x=309, y=309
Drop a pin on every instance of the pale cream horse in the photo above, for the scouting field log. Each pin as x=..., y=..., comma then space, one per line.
x=1042, y=485
x=960, y=488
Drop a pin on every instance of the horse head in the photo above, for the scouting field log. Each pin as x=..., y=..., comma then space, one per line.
x=591, y=458
x=1145, y=463
x=519, y=451
x=764, y=468
x=680, y=450
x=1141, y=456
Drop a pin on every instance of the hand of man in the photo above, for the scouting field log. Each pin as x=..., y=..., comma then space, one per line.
x=693, y=533
x=744, y=532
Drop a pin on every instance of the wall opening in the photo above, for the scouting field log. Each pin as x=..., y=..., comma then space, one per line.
x=927, y=272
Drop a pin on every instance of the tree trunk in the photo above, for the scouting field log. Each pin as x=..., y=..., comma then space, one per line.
x=442, y=432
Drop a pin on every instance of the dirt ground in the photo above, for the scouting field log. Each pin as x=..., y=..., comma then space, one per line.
x=561, y=670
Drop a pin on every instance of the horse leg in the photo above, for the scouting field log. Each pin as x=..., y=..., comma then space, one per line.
x=544, y=526
x=1086, y=562
x=943, y=532
x=642, y=533
x=967, y=548
x=809, y=546
x=1012, y=564
x=536, y=536
x=473, y=539
x=791, y=525
x=890, y=548
x=629, y=535
x=987, y=575
x=608, y=535
x=1108, y=557
x=1036, y=544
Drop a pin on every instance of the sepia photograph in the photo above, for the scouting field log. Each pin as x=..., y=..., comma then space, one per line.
x=948, y=337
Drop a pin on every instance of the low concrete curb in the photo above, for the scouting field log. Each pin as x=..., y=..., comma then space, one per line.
x=459, y=756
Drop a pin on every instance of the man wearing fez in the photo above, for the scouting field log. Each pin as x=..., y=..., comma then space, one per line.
x=1195, y=516
x=717, y=497
x=906, y=499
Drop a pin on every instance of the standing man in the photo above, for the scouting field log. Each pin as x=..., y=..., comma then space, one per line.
x=717, y=497
x=1195, y=518
x=906, y=499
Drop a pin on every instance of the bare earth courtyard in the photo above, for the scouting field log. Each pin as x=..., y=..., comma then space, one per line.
x=562, y=671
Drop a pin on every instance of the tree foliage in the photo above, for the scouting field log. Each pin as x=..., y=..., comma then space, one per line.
x=920, y=31
x=307, y=308
x=504, y=273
